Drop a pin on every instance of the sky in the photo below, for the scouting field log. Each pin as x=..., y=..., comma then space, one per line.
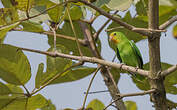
x=71, y=95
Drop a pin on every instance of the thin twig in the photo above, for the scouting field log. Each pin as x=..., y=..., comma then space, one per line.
x=95, y=36
x=91, y=60
x=168, y=23
x=111, y=29
x=74, y=31
x=27, y=9
x=56, y=76
x=169, y=70
x=129, y=95
x=150, y=30
x=97, y=92
x=91, y=81
x=54, y=37
x=27, y=92
x=81, y=41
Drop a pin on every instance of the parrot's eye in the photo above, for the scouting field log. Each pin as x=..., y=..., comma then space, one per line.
x=114, y=34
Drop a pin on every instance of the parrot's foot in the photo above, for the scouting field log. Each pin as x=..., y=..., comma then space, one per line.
x=136, y=68
x=122, y=64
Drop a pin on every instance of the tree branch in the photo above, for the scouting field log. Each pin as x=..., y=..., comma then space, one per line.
x=91, y=60
x=169, y=70
x=168, y=23
x=131, y=94
x=116, y=19
x=81, y=41
x=106, y=74
x=159, y=99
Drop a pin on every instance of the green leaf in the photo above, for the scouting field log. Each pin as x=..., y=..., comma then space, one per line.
x=36, y=102
x=74, y=74
x=175, y=31
x=22, y=103
x=130, y=105
x=8, y=16
x=120, y=5
x=101, y=4
x=4, y=89
x=165, y=13
x=55, y=13
x=22, y=4
x=7, y=3
x=49, y=106
x=5, y=29
x=42, y=2
x=18, y=4
x=71, y=44
x=13, y=92
x=30, y=26
x=170, y=80
x=141, y=8
x=171, y=105
x=54, y=66
x=75, y=13
x=8, y=94
x=15, y=67
x=15, y=88
x=167, y=2
x=116, y=74
x=33, y=12
x=95, y=105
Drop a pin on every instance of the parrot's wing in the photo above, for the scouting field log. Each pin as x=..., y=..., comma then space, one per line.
x=137, y=53
x=118, y=55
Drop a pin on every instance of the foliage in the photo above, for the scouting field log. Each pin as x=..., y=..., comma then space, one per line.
x=30, y=15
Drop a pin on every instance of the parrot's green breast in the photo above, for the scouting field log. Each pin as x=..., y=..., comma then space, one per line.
x=127, y=54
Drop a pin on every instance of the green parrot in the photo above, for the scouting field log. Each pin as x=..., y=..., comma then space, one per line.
x=127, y=51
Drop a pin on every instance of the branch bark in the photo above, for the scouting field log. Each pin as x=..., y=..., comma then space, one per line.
x=168, y=23
x=106, y=74
x=169, y=71
x=131, y=94
x=156, y=82
x=91, y=60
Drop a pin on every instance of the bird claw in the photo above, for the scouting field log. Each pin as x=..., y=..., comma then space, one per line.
x=122, y=64
x=136, y=69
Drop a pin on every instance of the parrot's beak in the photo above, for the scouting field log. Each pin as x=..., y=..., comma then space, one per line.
x=110, y=38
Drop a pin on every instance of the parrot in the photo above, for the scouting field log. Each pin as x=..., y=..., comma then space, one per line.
x=127, y=52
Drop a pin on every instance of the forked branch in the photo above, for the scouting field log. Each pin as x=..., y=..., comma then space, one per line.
x=131, y=94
